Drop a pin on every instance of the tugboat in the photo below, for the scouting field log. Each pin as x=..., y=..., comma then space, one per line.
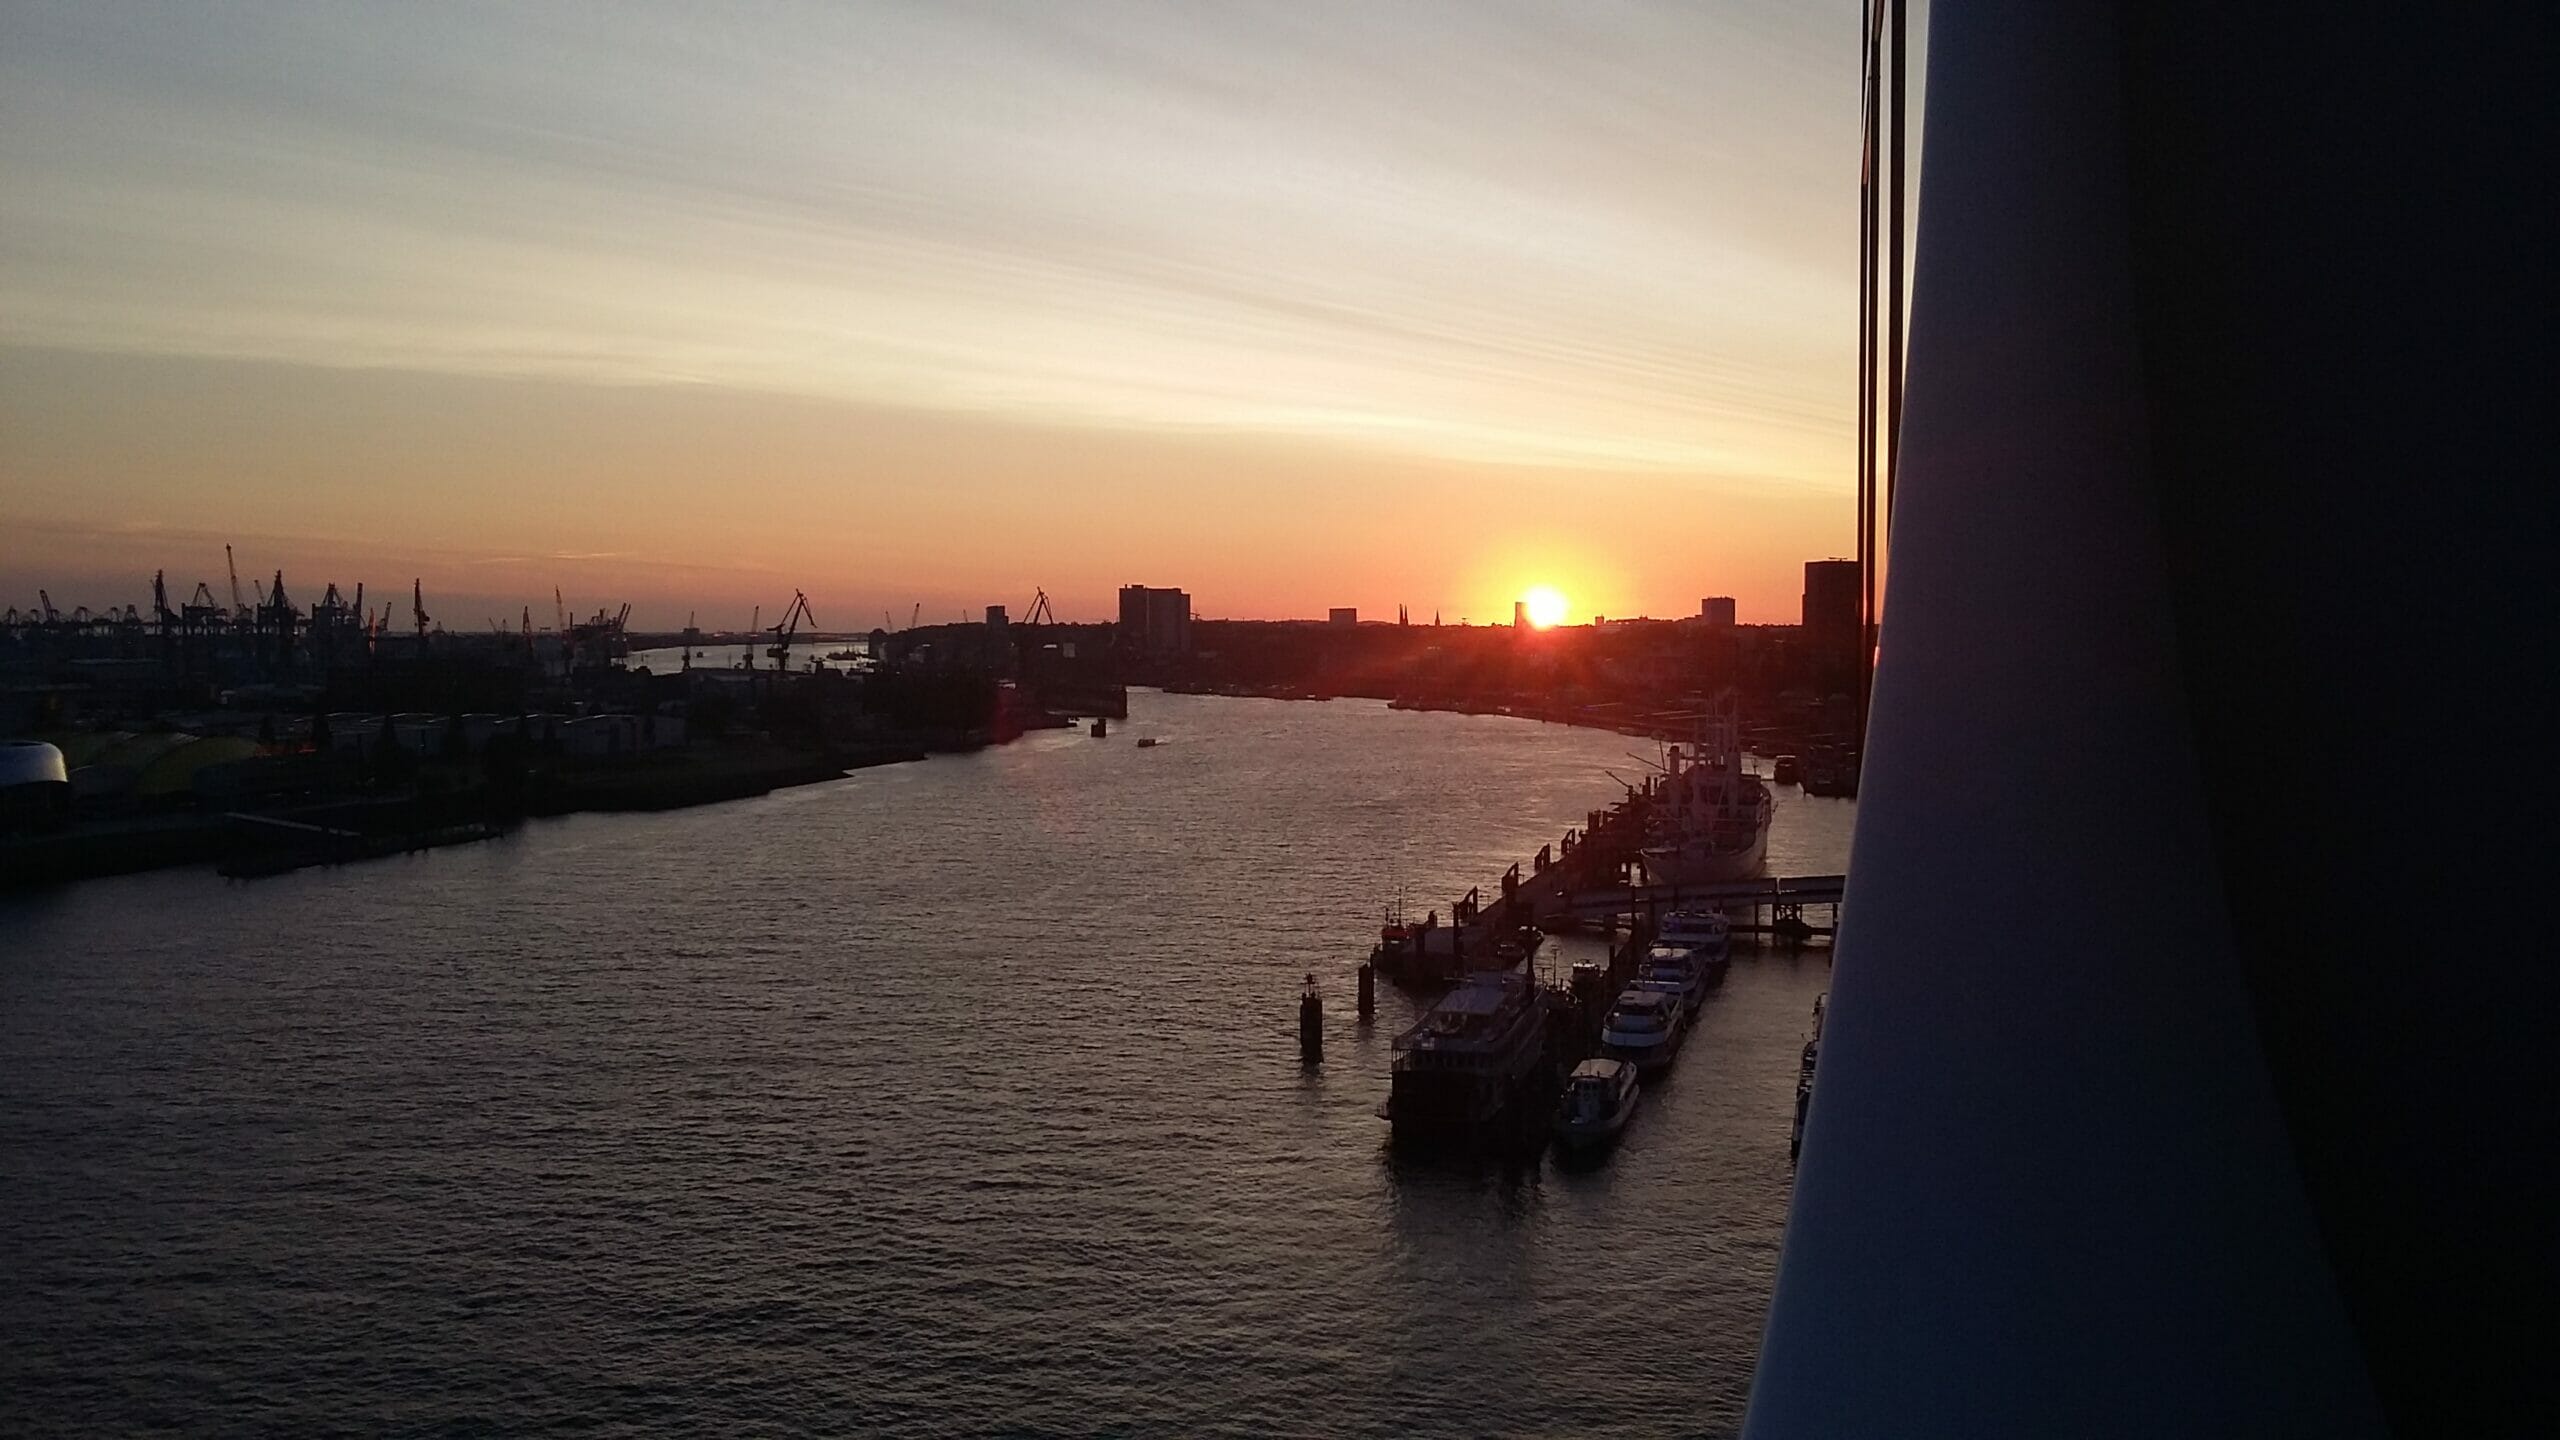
x=1464, y=1068
x=1399, y=953
x=1599, y=1098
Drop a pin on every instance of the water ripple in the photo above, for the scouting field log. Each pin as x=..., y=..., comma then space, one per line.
x=957, y=1098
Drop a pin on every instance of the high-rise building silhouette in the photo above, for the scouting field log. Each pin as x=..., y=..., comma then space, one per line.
x=1154, y=622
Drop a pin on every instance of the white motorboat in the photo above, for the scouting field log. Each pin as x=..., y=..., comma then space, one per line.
x=1644, y=1029
x=1675, y=972
x=1599, y=1098
x=1705, y=930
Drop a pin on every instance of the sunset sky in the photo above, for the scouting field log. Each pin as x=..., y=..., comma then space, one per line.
x=1292, y=305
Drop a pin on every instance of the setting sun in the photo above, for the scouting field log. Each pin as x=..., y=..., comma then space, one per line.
x=1546, y=606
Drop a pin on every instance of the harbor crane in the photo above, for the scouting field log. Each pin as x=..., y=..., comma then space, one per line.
x=1026, y=637
x=789, y=628
x=418, y=609
x=239, y=602
x=163, y=619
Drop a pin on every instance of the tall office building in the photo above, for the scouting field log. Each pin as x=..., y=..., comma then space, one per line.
x=1717, y=611
x=1154, y=623
x=1832, y=606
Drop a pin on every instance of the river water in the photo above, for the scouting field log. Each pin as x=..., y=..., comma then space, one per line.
x=958, y=1097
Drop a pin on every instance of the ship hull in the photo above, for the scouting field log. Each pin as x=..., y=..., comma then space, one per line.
x=1698, y=864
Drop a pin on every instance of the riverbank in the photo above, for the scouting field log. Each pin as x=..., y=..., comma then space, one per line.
x=1809, y=738
x=983, y=1028
x=339, y=828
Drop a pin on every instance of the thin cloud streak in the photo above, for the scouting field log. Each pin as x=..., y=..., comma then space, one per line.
x=1601, y=236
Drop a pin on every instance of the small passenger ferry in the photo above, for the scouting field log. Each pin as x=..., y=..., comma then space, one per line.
x=1599, y=1097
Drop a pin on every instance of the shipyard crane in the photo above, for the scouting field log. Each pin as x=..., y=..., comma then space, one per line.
x=50, y=614
x=1026, y=639
x=560, y=611
x=915, y=615
x=239, y=602
x=787, y=629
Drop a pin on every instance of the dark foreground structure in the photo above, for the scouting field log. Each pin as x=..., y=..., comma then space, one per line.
x=2222, y=458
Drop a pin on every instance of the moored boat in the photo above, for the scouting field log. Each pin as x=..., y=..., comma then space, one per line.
x=1599, y=1098
x=1402, y=951
x=1463, y=1068
x=1677, y=972
x=1644, y=1030
x=1705, y=931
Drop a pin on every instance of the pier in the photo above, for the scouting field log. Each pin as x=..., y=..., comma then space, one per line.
x=1595, y=873
x=1486, y=933
x=1772, y=902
